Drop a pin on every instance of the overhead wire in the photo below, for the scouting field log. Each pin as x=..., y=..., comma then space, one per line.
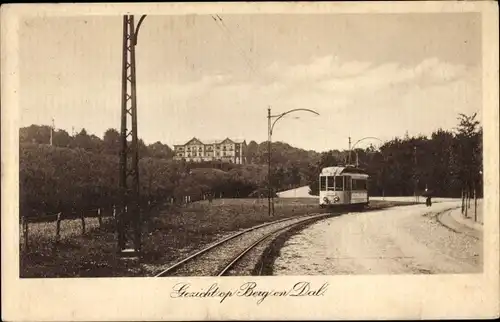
x=222, y=26
x=227, y=31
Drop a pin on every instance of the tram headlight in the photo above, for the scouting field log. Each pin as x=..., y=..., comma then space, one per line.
x=336, y=199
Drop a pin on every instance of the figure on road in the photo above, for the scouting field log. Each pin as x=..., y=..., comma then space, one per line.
x=428, y=200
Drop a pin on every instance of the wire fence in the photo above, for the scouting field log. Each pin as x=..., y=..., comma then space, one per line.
x=67, y=224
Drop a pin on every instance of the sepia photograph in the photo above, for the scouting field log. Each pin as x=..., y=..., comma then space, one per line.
x=223, y=143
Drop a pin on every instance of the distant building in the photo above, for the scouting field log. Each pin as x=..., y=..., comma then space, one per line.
x=227, y=150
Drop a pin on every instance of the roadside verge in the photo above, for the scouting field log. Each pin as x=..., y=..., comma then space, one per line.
x=454, y=220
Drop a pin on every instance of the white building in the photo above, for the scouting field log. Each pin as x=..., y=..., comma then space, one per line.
x=227, y=150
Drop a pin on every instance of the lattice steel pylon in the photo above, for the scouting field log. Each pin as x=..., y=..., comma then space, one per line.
x=129, y=216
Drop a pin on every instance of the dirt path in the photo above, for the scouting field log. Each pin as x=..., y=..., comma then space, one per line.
x=400, y=240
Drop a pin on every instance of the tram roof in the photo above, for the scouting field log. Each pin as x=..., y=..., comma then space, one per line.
x=336, y=171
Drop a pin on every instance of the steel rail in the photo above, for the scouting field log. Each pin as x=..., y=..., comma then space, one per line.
x=218, y=243
x=249, y=248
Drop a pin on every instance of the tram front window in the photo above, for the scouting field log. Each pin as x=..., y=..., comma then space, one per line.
x=339, y=183
x=331, y=183
x=322, y=183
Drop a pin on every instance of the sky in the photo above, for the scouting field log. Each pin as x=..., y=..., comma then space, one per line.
x=377, y=75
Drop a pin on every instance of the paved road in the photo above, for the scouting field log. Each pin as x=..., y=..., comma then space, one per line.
x=303, y=192
x=400, y=240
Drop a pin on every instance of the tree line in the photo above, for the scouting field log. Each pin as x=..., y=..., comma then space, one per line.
x=109, y=144
x=81, y=171
x=448, y=163
x=54, y=179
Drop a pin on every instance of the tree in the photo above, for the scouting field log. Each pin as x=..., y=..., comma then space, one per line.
x=468, y=150
x=39, y=134
x=82, y=140
x=252, y=151
x=143, y=149
x=96, y=144
x=111, y=142
x=160, y=150
x=62, y=138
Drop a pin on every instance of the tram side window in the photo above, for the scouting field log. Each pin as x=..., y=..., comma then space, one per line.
x=322, y=183
x=358, y=184
x=347, y=184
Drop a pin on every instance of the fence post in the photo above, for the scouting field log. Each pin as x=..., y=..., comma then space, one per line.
x=475, y=205
x=83, y=222
x=466, y=201
x=58, y=228
x=114, y=212
x=99, y=216
x=463, y=195
x=26, y=232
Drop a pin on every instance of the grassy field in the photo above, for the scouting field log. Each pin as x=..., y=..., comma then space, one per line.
x=168, y=235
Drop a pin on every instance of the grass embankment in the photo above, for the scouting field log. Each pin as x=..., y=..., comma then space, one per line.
x=168, y=235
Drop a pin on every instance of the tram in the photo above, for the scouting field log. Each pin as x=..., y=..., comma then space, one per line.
x=343, y=186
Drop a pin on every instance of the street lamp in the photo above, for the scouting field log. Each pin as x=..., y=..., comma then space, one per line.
x=270, y=127
x=358, y=141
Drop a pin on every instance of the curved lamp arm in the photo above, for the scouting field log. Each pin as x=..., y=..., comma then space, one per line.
x=138, y=27
x=366, y=138
x=279, y=116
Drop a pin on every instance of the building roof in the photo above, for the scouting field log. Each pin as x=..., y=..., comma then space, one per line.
x=335, y=171
x=212, y=141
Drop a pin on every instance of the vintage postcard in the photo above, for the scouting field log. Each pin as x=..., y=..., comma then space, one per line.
x=250, y=161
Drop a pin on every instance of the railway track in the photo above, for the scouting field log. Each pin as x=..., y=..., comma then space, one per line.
x=221, y=257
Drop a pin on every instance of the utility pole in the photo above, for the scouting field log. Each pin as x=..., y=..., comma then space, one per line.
x=270, y=127
x=349, y=151
x=415, y=173
x=269, y=160
x=129, y=215
x=52, y=128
